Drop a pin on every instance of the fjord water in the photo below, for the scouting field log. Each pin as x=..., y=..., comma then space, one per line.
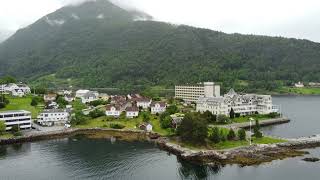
x=81, y=158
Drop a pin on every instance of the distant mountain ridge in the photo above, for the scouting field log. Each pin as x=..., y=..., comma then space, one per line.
x=98, y=44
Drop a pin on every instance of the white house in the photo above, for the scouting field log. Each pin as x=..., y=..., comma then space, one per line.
x=143, y=102
x=81, y=93
x=299, y=85
x=90, y=96
x=149, y=128
x=146, y=127
x=21, y=118
x=49, y=97
x=16, y=89
x=132, y=112
x=50, y=117
x=113, y=110
x=158, y=107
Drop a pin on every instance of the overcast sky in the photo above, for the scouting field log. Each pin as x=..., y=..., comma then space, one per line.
x=288, y=18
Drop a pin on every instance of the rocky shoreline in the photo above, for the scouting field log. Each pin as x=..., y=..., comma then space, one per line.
x=126, y=135
x=244, y=156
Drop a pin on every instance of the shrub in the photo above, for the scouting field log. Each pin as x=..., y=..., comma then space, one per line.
x=2, y=127
x=34, y=101
x=96, y=113
x=231, y=114
x=222, y=119
x=215, y=136
x=231, y=135
x=116, y=126
x=166, y=122
x=15, y=129
x=273, y=115
x=257, y=133
x=242, y=134
x=237, y=115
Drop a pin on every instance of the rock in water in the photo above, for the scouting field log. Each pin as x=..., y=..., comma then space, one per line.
x=312, y=159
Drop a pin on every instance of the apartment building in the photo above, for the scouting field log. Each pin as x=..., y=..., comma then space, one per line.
x=191, y=93
x=21, y=118
x=50, y=117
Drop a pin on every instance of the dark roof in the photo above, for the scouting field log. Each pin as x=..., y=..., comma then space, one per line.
x=162, y=104
x=132, y=108
x=109, y=106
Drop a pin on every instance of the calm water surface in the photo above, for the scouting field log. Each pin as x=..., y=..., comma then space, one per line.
x=82, y=158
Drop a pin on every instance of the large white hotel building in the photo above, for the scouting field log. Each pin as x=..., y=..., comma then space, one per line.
x=21, y=118
x=191, y=93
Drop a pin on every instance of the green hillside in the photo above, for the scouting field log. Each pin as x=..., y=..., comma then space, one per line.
x=98, y=44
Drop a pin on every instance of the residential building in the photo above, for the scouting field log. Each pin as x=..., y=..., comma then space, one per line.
x=104, y=96
x=132, y=112
x=68, y=98
x=64, y=92
x=244, y=104
x=299, y=85
x=314, y=84
x=50, y=117
x=89, y=97
x=49, y=97
x=146, y=127
x=15, y=89
x=158, y=107
x=113, y=110
x=191, y=93
x=21, y=118
x=81, y=92
x=143, y=102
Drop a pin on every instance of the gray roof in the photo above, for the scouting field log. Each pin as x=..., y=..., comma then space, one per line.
x=14, y=112
x=54, y=110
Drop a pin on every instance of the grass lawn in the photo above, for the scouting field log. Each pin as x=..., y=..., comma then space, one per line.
x=254, y=116
x=22, y=103
x=104, y=122
x=304, y=90
x=6, y=136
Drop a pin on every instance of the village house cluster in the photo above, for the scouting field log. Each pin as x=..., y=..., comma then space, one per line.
x=132, y=104
x=13, y=89
x=207, y=98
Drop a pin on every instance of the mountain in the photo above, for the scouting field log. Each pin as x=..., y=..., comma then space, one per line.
x=98, y=44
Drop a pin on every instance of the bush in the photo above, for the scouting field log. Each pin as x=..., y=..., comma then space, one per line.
x=116, y=126
x=273, y=115
x=166, y=122
x=15, y=129
x=215, y=136
x=222, y=135
x=2, y=127
x=257, y=133
x=242, y=134
x=172, y=109
x=96, y=113
x=97, y=103
x=222, y=119
x=237, y=115
x=211, y=118
x=34, y=101
x=2, y=105
x=231, y=135
x=145, y=117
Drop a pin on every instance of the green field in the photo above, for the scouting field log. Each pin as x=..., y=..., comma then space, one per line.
x=302, y=91
x=22, y=103
x=6, y=136
x=259, y=117
x=104, y=122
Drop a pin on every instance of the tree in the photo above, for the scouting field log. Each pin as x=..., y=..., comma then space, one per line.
x=78, y=119
x=7, y=80
x=215, y=136
x=97, y=103
x=256, y=130
x=61, y=102
x=172, y=109
x=231, y=114
x=231, y=135
x=34, y=101
x=3, y=101
x=211, y=118
x=242, y=134
x=237, y=115
x=15, y=130
x=2, y=127
x=166, y=122
x=145, y=117
x=193, y=128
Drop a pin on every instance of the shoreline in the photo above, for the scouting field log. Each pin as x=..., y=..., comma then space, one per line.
x=244, y=156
